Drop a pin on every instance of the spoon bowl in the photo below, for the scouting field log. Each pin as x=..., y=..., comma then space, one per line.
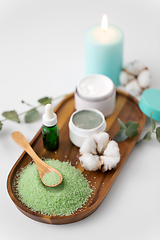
x=43, y=168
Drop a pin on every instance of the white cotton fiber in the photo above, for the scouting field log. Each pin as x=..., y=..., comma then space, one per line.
x=144, y=78
x=101, y=140
x=98, y=152
x=135, y=67
x=138, y=66
x=130, y=68
x=123, y=78
x=133, y=88
x=135, y=77
x=109, y=162
x=112, y=149
x=90, y=162
x=88, y=146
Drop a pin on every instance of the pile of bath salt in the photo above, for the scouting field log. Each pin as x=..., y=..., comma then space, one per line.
x=62, y=200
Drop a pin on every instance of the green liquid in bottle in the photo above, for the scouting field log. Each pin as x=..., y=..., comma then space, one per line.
x=50, y=137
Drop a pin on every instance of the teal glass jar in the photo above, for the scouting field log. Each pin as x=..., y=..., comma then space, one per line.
x=50, y=131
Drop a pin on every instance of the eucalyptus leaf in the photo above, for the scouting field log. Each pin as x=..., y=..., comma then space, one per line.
x=11, y=115
x=132, y=130
x=120, y=136
x=127, y=124
x=31, y=115
x=158, y=133
x=122, y=125
x=147, y=136
x=152, y=122
x=1, y=125
x=45, y=100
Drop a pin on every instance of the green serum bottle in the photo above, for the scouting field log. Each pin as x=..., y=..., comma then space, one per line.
x=50, y=131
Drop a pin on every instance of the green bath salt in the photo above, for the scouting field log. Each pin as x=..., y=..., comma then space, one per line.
x=51, y=178
x=62, y=200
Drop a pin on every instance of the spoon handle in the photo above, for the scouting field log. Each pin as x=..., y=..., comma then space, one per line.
x=43, y=168
x=21, y=140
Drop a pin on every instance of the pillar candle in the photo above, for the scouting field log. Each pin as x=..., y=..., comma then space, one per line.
x=104, y=50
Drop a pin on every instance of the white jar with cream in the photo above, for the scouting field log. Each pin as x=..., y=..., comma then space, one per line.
x=84, y=123
x=96, y=91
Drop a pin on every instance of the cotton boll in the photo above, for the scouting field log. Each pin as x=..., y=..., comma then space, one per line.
x=130, y=68
x=135, y=67
x=144, y=78
x=90, y=162
x=138, y=66
x=109, y=162
x=112, y=149
x=107, y=152
x=123, y=78
x=133, y=88
x=88, y=146
x=135, y=77
x=101, y=139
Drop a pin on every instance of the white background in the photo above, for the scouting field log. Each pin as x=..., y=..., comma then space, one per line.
x=42, y=54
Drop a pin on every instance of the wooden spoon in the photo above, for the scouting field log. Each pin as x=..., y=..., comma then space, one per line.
x=43, y=168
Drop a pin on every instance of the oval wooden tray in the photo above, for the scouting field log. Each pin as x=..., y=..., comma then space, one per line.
x=126, y=109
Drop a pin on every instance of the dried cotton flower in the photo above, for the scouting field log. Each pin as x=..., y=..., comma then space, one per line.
x=144, y=78
x=133, y=88
x=135, y=67
x=90, y=162
x=135, y=77
x=103, y=154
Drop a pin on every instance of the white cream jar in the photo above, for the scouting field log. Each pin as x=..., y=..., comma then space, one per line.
x=84, y=123
x=96, y=91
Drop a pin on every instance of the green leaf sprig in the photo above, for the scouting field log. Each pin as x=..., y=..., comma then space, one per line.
x=30, y=115
x=130, y=129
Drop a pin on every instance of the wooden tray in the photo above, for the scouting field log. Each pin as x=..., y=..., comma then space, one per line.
x=126, y=109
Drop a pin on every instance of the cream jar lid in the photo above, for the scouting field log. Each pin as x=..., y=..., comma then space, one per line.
x=95, y=87
x=84, y=123
x=150, y=102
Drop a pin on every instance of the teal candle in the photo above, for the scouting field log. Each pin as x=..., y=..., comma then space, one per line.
x=104, y=50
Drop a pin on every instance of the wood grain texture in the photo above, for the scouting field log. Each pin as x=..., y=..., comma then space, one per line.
x=126, y=109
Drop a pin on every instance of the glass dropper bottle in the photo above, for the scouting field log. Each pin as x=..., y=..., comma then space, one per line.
x=50, y=131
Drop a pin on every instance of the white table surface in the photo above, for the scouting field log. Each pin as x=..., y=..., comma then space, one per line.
x=42, y=54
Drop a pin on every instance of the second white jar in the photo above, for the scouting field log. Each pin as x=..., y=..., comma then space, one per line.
x=84, y=123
